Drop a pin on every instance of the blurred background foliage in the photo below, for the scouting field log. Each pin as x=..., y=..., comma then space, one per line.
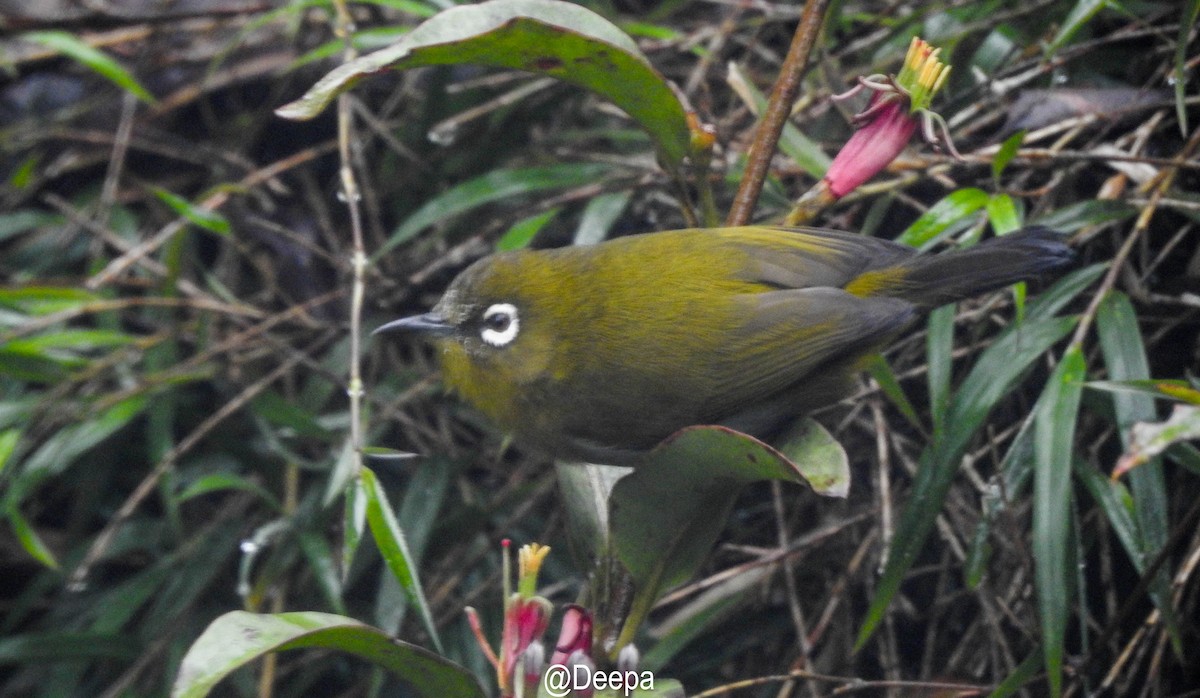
x=174, y=351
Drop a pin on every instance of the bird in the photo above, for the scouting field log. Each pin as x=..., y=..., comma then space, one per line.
x=598, y=353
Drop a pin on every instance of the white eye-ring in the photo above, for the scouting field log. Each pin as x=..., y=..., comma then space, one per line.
x=500, y=324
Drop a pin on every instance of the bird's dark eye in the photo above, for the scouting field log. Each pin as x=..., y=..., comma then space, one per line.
x=500, y=324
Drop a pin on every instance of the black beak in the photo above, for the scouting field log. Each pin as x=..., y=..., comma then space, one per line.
x=429, y=323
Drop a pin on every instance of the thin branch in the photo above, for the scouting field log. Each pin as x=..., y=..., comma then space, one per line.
x=779, y=107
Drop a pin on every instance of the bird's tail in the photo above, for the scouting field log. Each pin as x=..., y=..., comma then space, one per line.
x=932, y=280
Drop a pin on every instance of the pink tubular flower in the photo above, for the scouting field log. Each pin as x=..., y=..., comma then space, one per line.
x=872, y=147
x=898, y=105
x=575, y=635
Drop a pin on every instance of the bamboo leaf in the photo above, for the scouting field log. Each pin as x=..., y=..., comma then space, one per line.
x=95, y=60
x=394, y=549
x=1054, y=435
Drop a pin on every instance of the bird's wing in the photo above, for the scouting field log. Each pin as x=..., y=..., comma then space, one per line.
x=792, y=337
x=786, y=258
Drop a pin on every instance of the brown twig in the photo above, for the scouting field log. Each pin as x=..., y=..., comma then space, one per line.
x=779, y=107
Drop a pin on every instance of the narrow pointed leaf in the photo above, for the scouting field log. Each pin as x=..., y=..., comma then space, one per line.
x=1053, y=443
x=99, y=62
x=993, y=376
x=952, y=209
x=1125, y=358
x=394, y=549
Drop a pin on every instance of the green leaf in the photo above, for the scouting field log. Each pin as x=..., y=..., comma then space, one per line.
x=392, y=546
x=1053, y=442
x=1149, y=439
x=522, y=232
x=803, y=151
x=8, y=443
x=29, y=539
x=599, y=216
x=1087, y=213
x=818, y=456
x=554, y=38
x=1187, y=24
x=665, y=516
x=1008, y=150
x=18, y=222
x=883, y=374
x=1080, y=14
x=585, y=489
x=201, y=217
x=957, y=206
x=58, y=452
x=493, y=186
x=1125, y=358
x=45, y=300
x=220, y=482
x=1167, y=389
x=701, y=614
x=992, y=378
x=354, y=521
x=99, y=62
x=1002, y=213
x=238, y=638
x=939, y=352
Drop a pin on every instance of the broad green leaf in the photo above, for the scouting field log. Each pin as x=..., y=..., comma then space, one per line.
x=201, y=217
x=818, y=456
x=599, y=216
x=993, y=376
x=493, y=186
x=955, y=207
x=521, y=233
x=554, y=38
x=665, y=516
x=1053, y=442
x=99, y=62
x=394, y=550
x=1008, y=150
x=1125, y=358
x=585, y=489
x=238, y=637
